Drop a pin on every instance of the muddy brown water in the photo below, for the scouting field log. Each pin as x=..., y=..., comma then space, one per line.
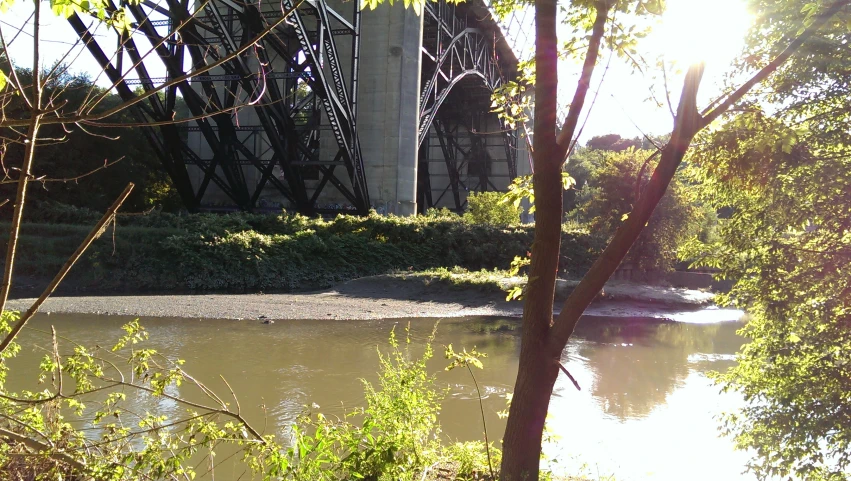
x=646, y=409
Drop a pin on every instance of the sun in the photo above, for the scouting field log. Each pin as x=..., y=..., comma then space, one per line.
x=691, y=31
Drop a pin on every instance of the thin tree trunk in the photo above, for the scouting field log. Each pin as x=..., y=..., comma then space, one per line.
x=538, y=369
x=26, y=165
x=96, y=231
x=536, y=377
x=537, y=372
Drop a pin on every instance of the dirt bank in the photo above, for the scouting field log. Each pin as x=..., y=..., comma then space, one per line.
x=378, y=297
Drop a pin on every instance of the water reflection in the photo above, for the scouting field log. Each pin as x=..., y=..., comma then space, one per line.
x=644, y=386
x=636, y=365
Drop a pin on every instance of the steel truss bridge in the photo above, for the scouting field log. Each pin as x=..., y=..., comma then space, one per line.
x=274, y=108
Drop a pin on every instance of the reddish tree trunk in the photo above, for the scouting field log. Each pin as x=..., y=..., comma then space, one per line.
x=538, y=367
x=535, y=380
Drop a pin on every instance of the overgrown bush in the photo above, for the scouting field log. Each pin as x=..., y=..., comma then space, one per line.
x=397, y=437
x=609, y=195
x=276, y=252
x=487, y=208
x=80, y=427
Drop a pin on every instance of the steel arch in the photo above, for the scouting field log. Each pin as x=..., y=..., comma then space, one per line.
x=459, y=49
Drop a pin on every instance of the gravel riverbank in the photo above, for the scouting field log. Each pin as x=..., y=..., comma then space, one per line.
x=379, y=297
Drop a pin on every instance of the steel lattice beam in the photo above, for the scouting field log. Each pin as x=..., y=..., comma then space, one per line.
x=290, y=85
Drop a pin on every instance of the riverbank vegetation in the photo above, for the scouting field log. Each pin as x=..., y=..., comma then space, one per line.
x=158, y=250
x=253, y=252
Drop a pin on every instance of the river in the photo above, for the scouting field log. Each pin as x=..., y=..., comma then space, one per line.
x=646, y=409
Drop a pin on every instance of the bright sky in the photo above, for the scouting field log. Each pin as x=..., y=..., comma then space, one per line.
x=690, y=30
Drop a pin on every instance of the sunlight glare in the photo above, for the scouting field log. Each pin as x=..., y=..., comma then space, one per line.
x=700, y=30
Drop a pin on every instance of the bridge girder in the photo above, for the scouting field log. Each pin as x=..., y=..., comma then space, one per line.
x=288, y=75
x=274, y=104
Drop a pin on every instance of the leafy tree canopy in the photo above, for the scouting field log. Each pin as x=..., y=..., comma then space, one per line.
x=785, y=171
x=614, y=180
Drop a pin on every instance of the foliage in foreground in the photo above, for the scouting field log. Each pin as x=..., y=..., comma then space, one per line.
x=82, y=426
x=785, y=175
x=788, y=243
x=263, y=252
x=398, y=433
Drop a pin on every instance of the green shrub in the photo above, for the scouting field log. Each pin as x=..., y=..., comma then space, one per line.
x=397, y=437
x=487, y=208
x=609, y=196
x=249, y=252
x=471, y=459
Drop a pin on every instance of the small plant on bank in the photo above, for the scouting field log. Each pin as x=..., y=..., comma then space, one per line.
x=398, y=434
x=489, y=281
x=487, y=208
x=398, y=437
x=467, y=359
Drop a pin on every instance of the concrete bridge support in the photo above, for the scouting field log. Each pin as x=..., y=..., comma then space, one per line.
x=389, y=108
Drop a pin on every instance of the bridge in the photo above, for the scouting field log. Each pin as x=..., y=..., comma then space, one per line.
x=317, y=107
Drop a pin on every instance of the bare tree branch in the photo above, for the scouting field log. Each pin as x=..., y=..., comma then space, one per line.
x=42, y=447
x=48, y=291
x=29, y=154
x=685, y=128
x=118, y=108
x=569, y=375
x=45, y=180
x=565, y=137
x=764, y=72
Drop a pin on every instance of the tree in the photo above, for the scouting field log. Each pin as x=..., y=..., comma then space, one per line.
x=611, y=190
x=785, y=175
x=612, y=142
x=544, y=338
x=486, y=208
